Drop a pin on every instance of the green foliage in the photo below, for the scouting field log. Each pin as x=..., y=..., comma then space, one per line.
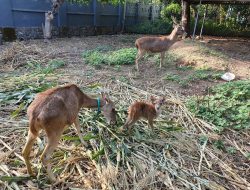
x=148, y=27
x=49, y=68
x=172, y=77
x=118, y=57
x=200, y=74
x=228, y=106
x=173, y=9
x=219, y=144
x=227, y=28
x=231, y=150
x=23, y=89
x=94, y=57
x=122, y=56
x=203, y=74
x=114, y=2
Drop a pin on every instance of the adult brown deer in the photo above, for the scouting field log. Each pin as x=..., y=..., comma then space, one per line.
x=160, y=45
x=53, y=110
x=148, y=111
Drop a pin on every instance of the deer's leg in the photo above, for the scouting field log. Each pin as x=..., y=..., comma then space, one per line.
x=77, y=126
x=53, y=139
x=150, y=123
x=128, y=124
x=162, y=58
x=139, y=55
x=27, y=149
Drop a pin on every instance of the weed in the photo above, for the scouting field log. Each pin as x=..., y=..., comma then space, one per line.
x=209, y=51
x=124, y=79
x=184, y=83
x=122, y=57
x=228, y=106
x=117, y=67
x=205, y=74
x=203, y=139
x=157, y=27
x=231, y=150
x=185, y=68
x=49, y=68
x=219, y=144
x=118, y=57
x=94, y=57
x=172, y=77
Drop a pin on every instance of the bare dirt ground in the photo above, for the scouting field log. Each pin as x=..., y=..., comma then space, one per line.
x=181, y=63
x=226, y=55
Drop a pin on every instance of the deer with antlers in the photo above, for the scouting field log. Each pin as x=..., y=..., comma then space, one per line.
x=53, y=110
x=160, y=45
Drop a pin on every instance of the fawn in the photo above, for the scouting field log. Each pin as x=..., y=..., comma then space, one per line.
x=156, y=44
x=53, y=110
x=148, y=111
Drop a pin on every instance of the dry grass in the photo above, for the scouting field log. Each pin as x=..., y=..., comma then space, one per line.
x=169, y=157
x=177, y=154
x=18, y=54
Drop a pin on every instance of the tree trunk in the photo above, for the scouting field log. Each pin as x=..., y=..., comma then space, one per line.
x=124, y=16
x=186, y=16
x=49, y=16
x=221, y=14
x=47, y=28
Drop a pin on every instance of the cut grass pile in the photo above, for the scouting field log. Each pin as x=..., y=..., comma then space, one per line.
x=179, y=153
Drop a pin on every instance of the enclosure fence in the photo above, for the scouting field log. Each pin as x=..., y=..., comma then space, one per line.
x=30, y=13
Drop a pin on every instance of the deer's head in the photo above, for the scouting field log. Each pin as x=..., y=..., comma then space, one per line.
x=177, y=27
x=108, y=110
x=157, y=102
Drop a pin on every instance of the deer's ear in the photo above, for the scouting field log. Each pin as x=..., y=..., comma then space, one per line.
x=105, y=97
x=163, y=99
x=153, y=99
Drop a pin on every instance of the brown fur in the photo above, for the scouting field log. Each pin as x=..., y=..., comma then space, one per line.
x=156, y=44
x=53, y=110
x=148, y=111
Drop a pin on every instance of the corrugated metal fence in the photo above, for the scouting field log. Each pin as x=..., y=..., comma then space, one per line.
x=30, y=13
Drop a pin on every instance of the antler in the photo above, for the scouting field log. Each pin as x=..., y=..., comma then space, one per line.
x=174, y=19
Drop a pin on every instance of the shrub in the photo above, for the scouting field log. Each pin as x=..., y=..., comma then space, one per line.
x=148, y=27
x=228, y=106
x=122, y=57
x=173, y=9
x=224, y=29
x=94, y=57
x=119, y=57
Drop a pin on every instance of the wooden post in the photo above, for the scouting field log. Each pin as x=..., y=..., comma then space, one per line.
x=203, y=21
x=196, y=20
x=186, y=16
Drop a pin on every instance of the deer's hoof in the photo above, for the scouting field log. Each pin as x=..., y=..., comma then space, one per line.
x=32, y=173
x=52, y=179
x=121, y=129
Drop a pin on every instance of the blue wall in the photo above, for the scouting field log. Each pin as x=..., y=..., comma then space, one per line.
x=30, y=13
